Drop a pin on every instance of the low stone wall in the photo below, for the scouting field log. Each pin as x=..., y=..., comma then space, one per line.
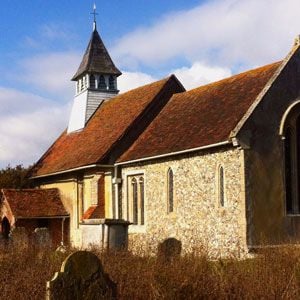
x=198, y=222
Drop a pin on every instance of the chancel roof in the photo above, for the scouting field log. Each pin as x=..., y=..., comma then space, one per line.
x=96, y=59
x=110, y=123
x=200, y=117
x=34, y=203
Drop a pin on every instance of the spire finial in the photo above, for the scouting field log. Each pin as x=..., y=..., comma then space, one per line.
x=95, y=14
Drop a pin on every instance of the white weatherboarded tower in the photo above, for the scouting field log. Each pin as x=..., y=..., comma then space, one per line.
x=96, y=81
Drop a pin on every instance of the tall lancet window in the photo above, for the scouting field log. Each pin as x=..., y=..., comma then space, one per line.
x=102, y=83
x=292, y=162
x=170, y=190
x=288, y=170
x=111, y=83
x=83, y=83
x=135, y=205
x=134, y=201
x=142, y=200
x=221, y=187
x=92, y=82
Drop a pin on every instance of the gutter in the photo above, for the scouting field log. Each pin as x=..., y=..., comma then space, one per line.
x=72, y=170
x=45, y=217
x=174, y=153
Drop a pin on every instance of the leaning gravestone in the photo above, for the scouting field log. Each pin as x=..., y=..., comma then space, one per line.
x=42, y=237
x=81, y=277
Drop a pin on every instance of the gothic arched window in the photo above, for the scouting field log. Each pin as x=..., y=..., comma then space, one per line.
x=92, y=82
x=288, y=170
x=134, y=201
x=135, y=205
x=142, y=200
x=102, y=83
x=221, y=186
x=111, y=83
x=83, y=83
x=170, y=191
x=292, y=162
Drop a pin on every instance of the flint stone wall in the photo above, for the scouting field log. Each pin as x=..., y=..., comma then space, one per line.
x=198, y=221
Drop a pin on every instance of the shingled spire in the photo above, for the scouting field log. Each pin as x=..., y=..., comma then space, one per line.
x=96, y=59
x=96, y=81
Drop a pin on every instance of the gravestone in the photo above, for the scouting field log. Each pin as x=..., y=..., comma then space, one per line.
x=81, y=277
x=42, y=237
x=169, y=249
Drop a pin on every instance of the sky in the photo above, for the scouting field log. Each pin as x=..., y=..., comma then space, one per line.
x=42, y=43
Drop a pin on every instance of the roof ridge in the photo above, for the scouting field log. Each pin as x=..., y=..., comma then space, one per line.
x=235, y=75
x=141, y=115
x=143, y=86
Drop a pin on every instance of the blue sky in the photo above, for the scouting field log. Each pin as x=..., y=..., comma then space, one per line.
x=42, y=42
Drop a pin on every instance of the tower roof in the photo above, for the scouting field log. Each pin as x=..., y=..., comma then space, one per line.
x=96, y=59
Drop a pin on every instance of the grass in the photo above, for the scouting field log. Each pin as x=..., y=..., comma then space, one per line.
x=273, y=274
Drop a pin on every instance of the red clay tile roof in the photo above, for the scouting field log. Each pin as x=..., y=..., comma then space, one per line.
x=202, y=116
x=31, y=203
x=108, y=124
x=93, y=212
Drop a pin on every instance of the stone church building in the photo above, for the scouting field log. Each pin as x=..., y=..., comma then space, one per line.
x=216, y=168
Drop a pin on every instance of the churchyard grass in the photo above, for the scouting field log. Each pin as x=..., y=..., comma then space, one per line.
x=272, y=274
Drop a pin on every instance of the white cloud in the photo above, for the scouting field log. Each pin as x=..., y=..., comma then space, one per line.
x=55, y=31
x=51, y=72
x=131, y=80
x=219, y=32
x=199, y=74
x=51, y=34
x=29, y=124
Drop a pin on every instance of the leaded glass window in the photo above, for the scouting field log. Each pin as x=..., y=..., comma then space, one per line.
x=92, y=82
x=111, y=83
x=142, y=200
x=170, y=191
x=221, y=186
x=134, y=201
x=102, y=83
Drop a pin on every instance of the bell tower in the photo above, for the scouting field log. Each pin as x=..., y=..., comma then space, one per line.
x=96, y=81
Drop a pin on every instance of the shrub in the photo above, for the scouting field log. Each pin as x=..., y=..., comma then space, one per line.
x=273, y=273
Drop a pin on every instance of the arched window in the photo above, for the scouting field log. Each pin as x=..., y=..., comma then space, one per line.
x=5, y=228
x=221, y=186
x=134, y=201
x=111, y=83
x=79, y=85
x=102, y=83
x=83, y=83
x=288, y=170
x=292, y=162
x=92, y=82
x=135, y=205
x=170, y=191
x=142, y=200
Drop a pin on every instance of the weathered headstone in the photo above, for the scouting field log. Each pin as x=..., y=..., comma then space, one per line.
x=81, y=277
x=169, y=249
x=42, y=237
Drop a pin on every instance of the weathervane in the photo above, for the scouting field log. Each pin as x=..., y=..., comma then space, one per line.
x=95, y=14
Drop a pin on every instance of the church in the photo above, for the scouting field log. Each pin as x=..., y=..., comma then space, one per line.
x=217, y=168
